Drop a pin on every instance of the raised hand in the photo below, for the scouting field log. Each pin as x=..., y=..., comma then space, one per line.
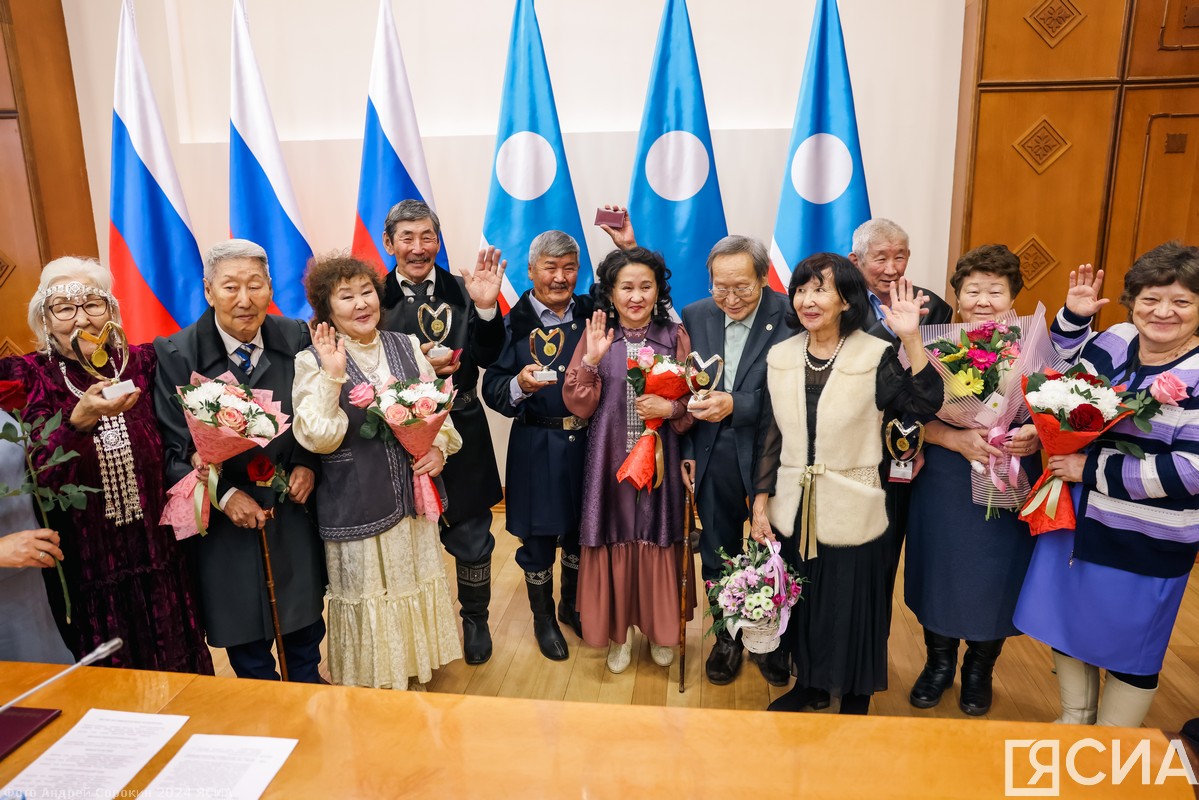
x=1086, y=286
x=484, y=283
x=623, y=236
x=903, y=314
x=93, y=405
x=332, y=351
x=598, y=338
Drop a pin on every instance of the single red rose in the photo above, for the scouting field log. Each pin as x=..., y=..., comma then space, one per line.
x=1086, y=418
x=260, y=469
x=12, y=395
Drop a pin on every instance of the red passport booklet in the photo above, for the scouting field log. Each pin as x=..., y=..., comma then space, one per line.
x=18, y=724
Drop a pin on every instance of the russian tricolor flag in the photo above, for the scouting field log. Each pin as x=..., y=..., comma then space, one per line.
x=152, y=251
x=393, y=161
x=262, y=205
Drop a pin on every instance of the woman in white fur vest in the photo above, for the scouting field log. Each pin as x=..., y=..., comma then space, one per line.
x=822, y=434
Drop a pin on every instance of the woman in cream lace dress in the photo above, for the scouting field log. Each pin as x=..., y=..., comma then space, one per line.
x=390, y=614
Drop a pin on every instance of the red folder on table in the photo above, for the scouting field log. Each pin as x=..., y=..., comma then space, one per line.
x=18, y=724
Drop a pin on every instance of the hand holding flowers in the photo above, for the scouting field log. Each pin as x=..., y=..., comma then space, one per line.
x=658, y=381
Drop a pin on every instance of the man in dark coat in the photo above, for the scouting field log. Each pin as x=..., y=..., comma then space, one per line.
x=237, y=336
x=474, y=335
x=740, y=322
x=547, y=444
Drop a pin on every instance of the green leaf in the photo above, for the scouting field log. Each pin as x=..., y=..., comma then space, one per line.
x=1130, y=449
x=1142, y=424
x=47, y=504
x=11, y=432
x=52, y=425
x=78, y=501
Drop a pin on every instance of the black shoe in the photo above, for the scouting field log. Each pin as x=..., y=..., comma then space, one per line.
x=857, y=704
x=1190, y=732
x=568, y=614
x=801, y=698
x=938, y=672
x=773, y=666
x=724, y=662
x=978, y=666
x=474, y=595
x=540, y=586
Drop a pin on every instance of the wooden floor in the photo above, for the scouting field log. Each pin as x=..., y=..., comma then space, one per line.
x=1025, y=687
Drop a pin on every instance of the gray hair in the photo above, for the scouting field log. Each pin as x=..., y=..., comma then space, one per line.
x=552, y=244
x=737, y=245
x=233, y=249
x=874, y=231
x=60, y=271
x=410, y=211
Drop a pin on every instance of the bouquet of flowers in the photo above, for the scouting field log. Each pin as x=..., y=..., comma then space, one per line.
x=1071, y=410
x=754, y=595
x=412, y=411
x=650, y=373
x=981, y=365
x=225, y=419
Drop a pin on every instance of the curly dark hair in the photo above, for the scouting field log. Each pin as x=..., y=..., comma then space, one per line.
x=991, y=259
x=847, y=280
x=610, y=267
x=326, y=273
x=1172, y=262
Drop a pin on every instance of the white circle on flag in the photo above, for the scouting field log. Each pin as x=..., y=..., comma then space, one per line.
x=677, y=165
x=525, y=165
x=822, y=168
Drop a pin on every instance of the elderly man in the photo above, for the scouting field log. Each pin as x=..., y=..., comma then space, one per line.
x=740, y=322
x=547, y=445
x=236, y=335
x=475, y=336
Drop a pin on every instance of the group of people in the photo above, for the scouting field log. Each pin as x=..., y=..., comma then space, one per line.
x=790, y=440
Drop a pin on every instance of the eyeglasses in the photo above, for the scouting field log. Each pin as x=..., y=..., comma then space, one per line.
x=65, y=311
x=744, y=292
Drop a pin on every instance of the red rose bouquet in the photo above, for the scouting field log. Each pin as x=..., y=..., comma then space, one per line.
x=650, y=373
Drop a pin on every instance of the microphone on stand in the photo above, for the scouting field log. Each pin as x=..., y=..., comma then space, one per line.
x=103, y=651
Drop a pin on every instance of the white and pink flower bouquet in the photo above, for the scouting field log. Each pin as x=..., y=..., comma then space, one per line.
x=754, y=595
x=225, y=419
x=650, y=373
x=412, y=411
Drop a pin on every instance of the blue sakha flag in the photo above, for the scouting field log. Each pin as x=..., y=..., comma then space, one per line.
x=675, y=196
x=824, y=185
x=531, y=191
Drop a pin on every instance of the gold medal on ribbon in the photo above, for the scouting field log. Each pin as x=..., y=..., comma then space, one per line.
x=545, y=346
x=899, y=439
x=112, y=335
x=434, y=323
x=702, y=375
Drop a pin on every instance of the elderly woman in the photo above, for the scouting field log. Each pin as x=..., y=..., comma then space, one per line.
x=963, y=572
x=391, y=620
x=1107, y=593
x=126, y=574
x=631, y=541
x=822, y=432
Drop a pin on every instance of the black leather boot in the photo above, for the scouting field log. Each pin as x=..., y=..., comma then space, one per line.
x=978, y=666
x=938, y=672
x=774, y=666
x=568, y=613
x=545, y=627
x=724, y=662
x=474, y=594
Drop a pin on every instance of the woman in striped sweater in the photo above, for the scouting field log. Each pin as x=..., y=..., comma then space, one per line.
x=1107, y=593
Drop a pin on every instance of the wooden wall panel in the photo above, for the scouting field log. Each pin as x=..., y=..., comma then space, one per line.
x=1155, y=194
x=1048, y=40
x=20, y=262
x=1165, y=40
x=1036, y=187
x=8, y=103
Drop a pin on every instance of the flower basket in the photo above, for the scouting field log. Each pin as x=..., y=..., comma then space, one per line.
x=762, y=637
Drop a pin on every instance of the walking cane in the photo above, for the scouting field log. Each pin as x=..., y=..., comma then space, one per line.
x=688, y=529
x=270, y=593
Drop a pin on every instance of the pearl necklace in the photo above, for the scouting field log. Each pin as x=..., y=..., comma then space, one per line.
x=808, y=358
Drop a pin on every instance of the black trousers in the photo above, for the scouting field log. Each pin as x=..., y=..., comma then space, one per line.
x=537, y=553
x=723, y=501
x=469, y=541
x=301, y=649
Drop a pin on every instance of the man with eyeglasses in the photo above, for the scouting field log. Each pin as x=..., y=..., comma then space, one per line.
x=412, y=233
x=740, y=322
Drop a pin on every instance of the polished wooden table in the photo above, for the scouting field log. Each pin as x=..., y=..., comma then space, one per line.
x=365, y=743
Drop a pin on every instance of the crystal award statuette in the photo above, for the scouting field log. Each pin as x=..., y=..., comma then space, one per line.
x=545, y=347
x=110, y=334
x=434, y=324
x=702, y=375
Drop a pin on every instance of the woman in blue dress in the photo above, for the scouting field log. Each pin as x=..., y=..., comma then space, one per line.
x=1107, y=593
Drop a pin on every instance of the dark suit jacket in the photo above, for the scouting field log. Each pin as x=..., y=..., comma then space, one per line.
x=939, y=313
x=704, y=320
x=472, y=482
x=229, y=559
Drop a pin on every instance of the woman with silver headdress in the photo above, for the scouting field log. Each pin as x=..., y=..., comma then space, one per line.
x=126, y=575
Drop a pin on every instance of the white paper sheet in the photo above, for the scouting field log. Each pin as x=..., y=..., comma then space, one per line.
x=224, y=767
x=96, y=758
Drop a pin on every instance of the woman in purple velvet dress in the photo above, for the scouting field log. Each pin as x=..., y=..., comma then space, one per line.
x=126, y=574
x=631, y=542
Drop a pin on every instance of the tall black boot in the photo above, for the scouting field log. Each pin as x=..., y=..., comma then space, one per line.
x=568, y=613
x=938, y=672
x=978, y=666
x=545, y=627
x=474, y=594
x=724, y=662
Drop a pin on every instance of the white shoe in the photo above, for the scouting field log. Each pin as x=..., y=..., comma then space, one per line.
x=620, y=655
x=1078, y=684
x=662, y=655
x=1122, y=704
